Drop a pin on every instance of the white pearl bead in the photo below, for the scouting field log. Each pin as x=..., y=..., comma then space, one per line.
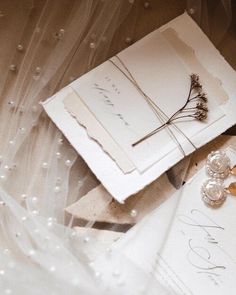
x=73, y=234
x=38, y=70
x=23, y=218
x=12, y=68
x=52, y=219
x=146, y=4
x=22, y=130
x=31, y=252
x=23, y=196
x=35, y=212
x=49, y=224
x=58, y=154
x=3, y=177
x=2, y=203
x=60, y=141
x=6, y=251
x=68, y=163
x=92, y=45
x=2, y=272
x=20, y=47
x=11, y=104
x=133, y=213
x=60, y=34
x=97, y=274
x=18, y=234
x=128, y=40
x=57, y=189
x=8, y=291
x=191, y=11
x=109, y=250
x=52, y=268
x=86, y=239
x=45, y=165
x=34, y=200
x=6, y=167
x=11, y=142
x=36, y=230
x=34, y=108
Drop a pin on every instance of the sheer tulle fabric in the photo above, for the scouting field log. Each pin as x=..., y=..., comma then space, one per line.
x=44, y=46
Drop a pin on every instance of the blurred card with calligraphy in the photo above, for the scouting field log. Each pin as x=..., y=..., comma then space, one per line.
x=187, y=246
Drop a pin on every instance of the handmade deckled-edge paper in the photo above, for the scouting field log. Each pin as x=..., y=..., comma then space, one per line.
x=122, y=185
x=124, y=112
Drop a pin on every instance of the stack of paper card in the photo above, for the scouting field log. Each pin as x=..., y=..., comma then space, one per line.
x=185, y=245
x=103, y=113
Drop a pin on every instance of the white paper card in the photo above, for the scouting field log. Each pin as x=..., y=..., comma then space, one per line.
x=187, y=246
x=125, y=113
x=119, y=184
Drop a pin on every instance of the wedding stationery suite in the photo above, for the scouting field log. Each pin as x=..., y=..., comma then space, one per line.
x=187, y=246
x=137, y=114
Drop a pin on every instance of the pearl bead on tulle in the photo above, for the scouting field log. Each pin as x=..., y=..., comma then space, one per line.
x=133, y=213
x=31, y=252
x=12, y=68
x=34, y=200
x=86, y=239
x=3, y=177
x=68, y=163
x=23, y=196
x=128, y=40
x=57, y=189
x=92, y=45
x=2, y=272
x=20, y=47
x=45, y=165
x=58, y=154
x=191, y=11
x=60, y=141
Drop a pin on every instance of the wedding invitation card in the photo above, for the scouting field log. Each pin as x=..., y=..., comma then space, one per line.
x=186, y=245
x=117, y=115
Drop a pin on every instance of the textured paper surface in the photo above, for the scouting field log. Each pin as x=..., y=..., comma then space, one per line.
x=122, y=185
x=186, y=245
x=81, y=113
x=123, y=111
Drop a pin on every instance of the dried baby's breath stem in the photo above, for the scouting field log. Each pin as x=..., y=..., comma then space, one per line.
x=157, y=110
x=198, y=112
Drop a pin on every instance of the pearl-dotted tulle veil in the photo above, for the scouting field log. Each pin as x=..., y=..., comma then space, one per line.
x=44, y=45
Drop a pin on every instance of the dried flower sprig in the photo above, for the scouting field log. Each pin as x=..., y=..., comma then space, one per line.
x=195, y=107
